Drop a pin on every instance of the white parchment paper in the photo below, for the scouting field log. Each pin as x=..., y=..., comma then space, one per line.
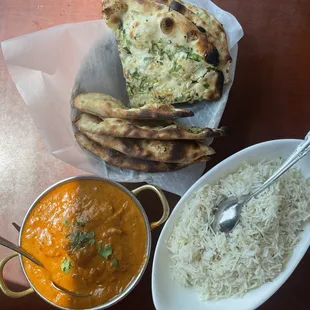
x=51, y=66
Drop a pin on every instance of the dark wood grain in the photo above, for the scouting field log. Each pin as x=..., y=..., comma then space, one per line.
x=269, y=100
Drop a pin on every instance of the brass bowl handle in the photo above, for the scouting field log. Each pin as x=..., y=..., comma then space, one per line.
x=3, y=287
x=163, y=199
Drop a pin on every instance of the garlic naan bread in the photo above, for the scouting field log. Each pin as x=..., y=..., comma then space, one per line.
x=208, y=24
x=160, y=130
x=103, y=106
x=166, y=58
x=120, y=160
x=175, y=151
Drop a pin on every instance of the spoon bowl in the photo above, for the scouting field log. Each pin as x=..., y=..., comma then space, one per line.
x=227, y=215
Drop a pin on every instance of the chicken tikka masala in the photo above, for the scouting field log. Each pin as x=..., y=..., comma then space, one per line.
x=91, y=238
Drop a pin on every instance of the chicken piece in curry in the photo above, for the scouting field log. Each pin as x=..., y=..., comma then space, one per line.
x=90, y=236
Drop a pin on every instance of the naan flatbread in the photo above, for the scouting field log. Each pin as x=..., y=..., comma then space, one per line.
x=208, y=24
x=166, y=59
x=117, y=127
x=104, y=106
x=120, y=160
x=176, y=151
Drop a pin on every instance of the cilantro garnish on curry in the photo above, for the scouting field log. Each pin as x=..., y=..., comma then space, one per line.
x=90, y=236
x=105, y=251
x=66, y=265
x=79, y=239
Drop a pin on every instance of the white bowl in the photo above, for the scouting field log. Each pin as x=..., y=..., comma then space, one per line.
x=168, y=295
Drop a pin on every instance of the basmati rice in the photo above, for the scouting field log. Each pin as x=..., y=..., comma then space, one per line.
x=222, y=265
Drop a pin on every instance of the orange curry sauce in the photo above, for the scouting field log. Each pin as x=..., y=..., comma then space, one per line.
x=90, y=236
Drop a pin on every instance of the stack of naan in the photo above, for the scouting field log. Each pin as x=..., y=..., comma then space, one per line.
x=171, y=52
x=144, y=139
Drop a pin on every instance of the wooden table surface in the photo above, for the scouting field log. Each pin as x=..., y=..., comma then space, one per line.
x=269, y=100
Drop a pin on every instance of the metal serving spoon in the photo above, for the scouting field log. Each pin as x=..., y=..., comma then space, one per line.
x=22, y=252
x=228, y=213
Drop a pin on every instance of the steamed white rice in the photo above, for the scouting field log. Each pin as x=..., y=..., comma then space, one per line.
x=220, y=265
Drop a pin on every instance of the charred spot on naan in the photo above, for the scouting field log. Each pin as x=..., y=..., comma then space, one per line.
x=149, y=114
x=166, y=25
x=201, y=29
x=114, y=12
x=177, y=151
x=212, y=57
x=220, y=83
x=177, y=6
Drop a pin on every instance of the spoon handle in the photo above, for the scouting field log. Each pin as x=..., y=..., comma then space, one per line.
x=301, y=150
x=19, y=250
